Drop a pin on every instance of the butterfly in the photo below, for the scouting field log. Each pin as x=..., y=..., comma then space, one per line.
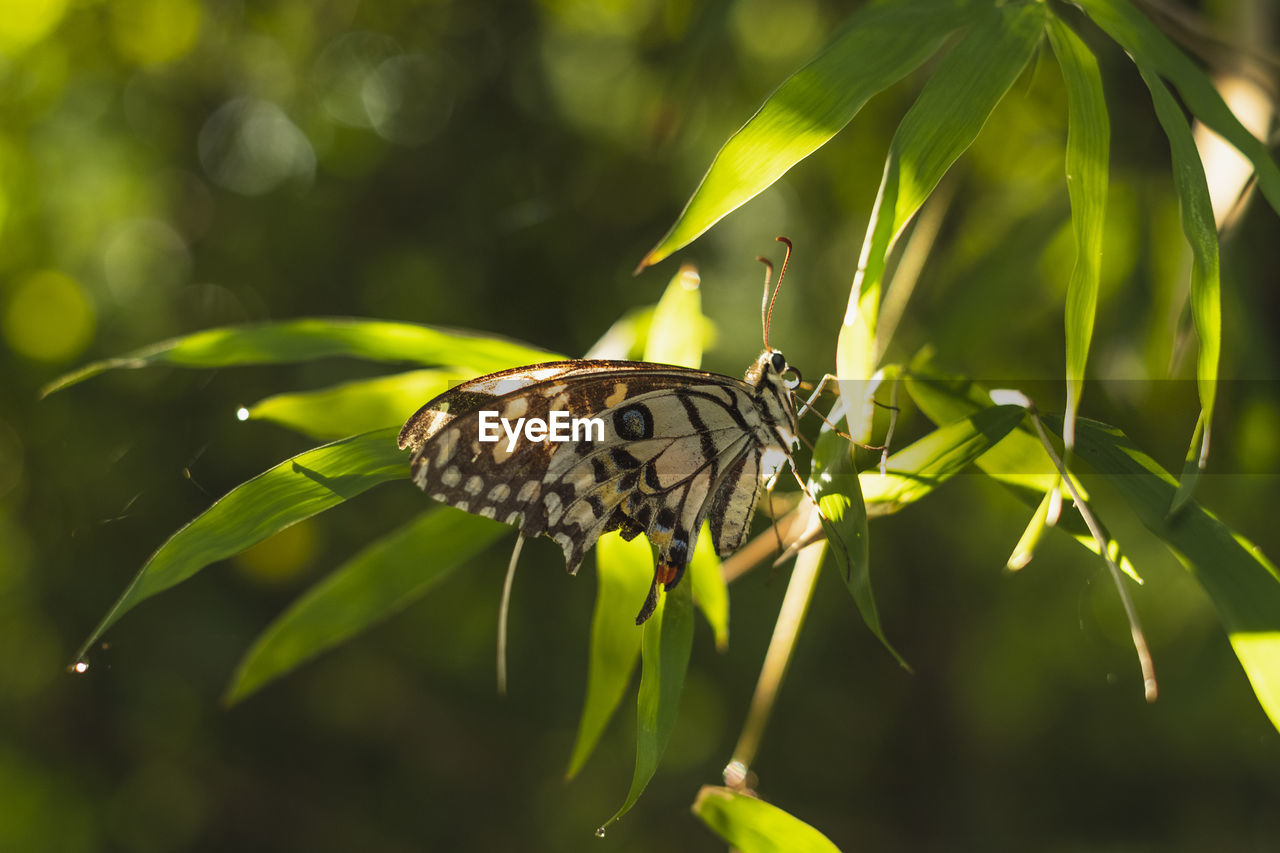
x=672, y=447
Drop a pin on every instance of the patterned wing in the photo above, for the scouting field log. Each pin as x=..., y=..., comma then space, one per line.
x=677, y=446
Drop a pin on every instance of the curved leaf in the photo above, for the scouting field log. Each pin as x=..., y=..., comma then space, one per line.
x=751, y=825
x=921, y=467
x=710, y=592
x=1088, y=143
x=664, y=651
x=297, y=488
x=355, y=407
x=1202, y=234
x=1017, y=461
x=878, y=46
x=383, y=578
x=1149, y=47
x=1242, y=583
x=939, y=127
x=624, y=571
x=833, y=481
x=310, y=338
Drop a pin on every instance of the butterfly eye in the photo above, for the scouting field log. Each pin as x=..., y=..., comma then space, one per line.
x=794, y=382
x=779, y=363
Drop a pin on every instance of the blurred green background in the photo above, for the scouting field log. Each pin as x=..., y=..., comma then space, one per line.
x=169, y=165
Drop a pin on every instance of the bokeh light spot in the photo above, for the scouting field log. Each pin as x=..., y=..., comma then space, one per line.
x=153, y=32
x=773, y=30
x=281, y=558
x=48, y=317
x=25, y=22
x=250, y=146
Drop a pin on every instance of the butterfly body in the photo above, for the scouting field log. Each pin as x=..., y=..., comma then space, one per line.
x=679, y=447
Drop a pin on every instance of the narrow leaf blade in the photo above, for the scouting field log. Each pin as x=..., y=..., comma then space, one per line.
x=1243, y=584
x=939, y=127
x=665, y=648
x=710, y=592
x=380, y=580
x=878, y=46
x=297, y=488
x=833, y=481
x=751, y=825
x=1088, y=144
x=623, y=571
x=355, y=407
x=1149, y=47
x=1206, y=299
x=310, y=338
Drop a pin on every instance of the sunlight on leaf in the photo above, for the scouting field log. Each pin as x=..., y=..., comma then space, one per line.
x=1243, y=585
x=751, y=825
x=833, y=480
x=942, y=123
x=1088, y=142
x=355, y=407
x=623, y=571
x=1149, y=47
x=380, y=580
x=710, y=592
x=311, y=338
x=665, y=648
x=878, y=46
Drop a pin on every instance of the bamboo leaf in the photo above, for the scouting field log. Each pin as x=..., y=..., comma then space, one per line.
x=382, y=579
x=751, y=825
x=623, y=571
x=921, y=467
x=1206, y=299
x=1088, y=143
x=676, y=332
x=1017, y=461
x=939, y=127
x=1151, y=49
x=664, y=652
x=310, y=338
x=297, y=488
x=710, y=592
x=878, y=46
x=833, y=481
x=355, y=407
x=1242, y=583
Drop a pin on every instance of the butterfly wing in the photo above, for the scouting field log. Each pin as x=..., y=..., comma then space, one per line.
x=677, y=446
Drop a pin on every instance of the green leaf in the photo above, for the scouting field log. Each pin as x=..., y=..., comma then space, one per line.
x=710, y=592
x=624, y=571
x=1243, y=585
x=675, y=333
x=939, y=127
x=297, y=488
x=1149, y=47
x=664, y=652
x=879, y=45
x=833, y=481
x=383, y=578
x=1088, y=144
x=921, y=467
x=310, y=338
x=1017, y=461
x=1206, y=299
x=751, y=825
x=355, y=407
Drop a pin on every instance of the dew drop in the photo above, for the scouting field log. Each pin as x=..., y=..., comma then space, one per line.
x=242, y=414
x=80, y=666
x=600, y=832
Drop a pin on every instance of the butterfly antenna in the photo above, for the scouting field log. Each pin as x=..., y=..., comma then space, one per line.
x=503, y=610
x=768, y=317
x=765, y=305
